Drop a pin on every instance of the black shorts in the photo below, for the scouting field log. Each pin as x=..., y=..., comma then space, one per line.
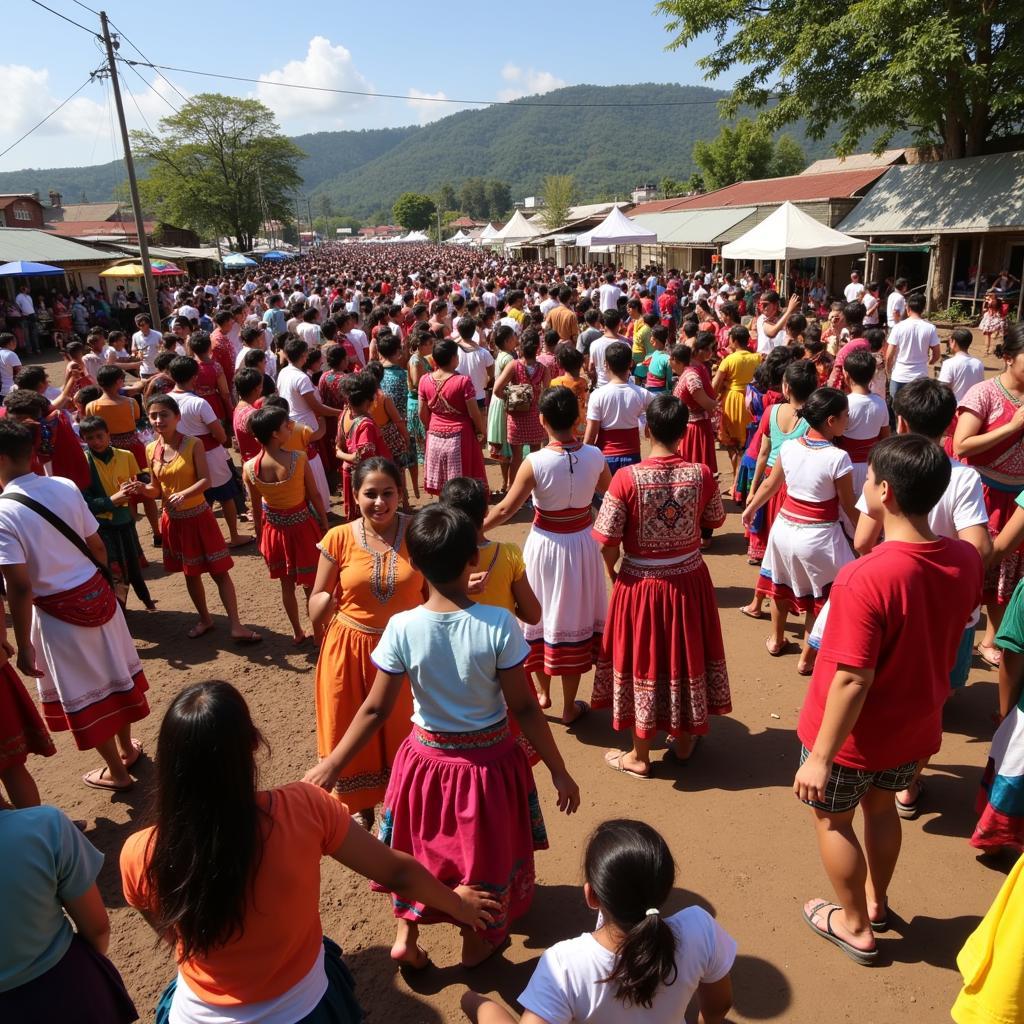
x=847, y=786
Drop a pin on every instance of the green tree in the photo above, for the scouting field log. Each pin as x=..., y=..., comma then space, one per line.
x=670, y=188
x=789, y=157
x=499, y=199
x=950, y=71
x=473, y=197
x=738, y=153
x=414, y=211
x=559, y=195
x=220, y=165
x=446, y=198
x=695, y=183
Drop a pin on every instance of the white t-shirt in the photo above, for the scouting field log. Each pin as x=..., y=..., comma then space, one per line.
x=896, y=303
x=609, y=295
x=598, y=348
x=812, y=471
x=568, y=986
x=868, y=415
x=294, y=384
x=357, y=339
x=25, y=304
x=54, y=564
x=961, y=372
x=854, y=291
x=765, y=343
x=473, y=363
x=452, y=660
x=146, y=347
x=913, y=338
x=619, y=406
x=9, y=363
x=871, y=304
x=309, y=333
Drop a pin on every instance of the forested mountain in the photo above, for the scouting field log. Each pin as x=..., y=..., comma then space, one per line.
x=611, y=138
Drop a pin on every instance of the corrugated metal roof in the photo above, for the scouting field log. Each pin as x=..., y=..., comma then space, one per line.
x=981, y=193
x=855, y=162
x=43, y=247
x=692, y=227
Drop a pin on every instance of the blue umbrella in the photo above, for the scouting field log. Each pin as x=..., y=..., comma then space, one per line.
x=236, y=259
x=275, y=254
x=21, y=268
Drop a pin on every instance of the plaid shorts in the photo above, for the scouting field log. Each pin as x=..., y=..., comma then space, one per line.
x=847, y=786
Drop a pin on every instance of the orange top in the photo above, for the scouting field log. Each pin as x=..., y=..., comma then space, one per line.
x=366, y=576
x=378, y=413
x=578, y=386
x=177, y=475
x=298, y=439
x=281, y=935
x=120, y=417
x=280, y=494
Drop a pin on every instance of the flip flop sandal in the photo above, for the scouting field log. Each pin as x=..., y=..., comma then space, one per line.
x=993, y=659
x=880, y=926
x=583, y=709
x=137, y=751
x=865, y=957
x=751, y=615
x=908, y=812
x=250, y=638
x=110, y=786
x=776, y=653
x=615, y=763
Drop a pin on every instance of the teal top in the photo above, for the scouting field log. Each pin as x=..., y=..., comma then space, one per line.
x=778, y=436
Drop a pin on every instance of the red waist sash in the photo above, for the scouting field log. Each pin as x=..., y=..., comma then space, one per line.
x=91, y=603
x=209, y=442
x=564, y=520
x=811, y=511
x=858, y=450
x=619, y=442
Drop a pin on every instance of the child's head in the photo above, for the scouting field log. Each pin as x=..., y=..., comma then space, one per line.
x=467, y=328
x=467, y=494
x=569, y=358
x=85, y=396
x=163, y=413
x=248, y=384
x=93, y=431
x=442, y=543
x=110, y=378
x=559, y=409
x=7, y=340
x=388, y=345
x=859, y=367
x=962, y=337
x=183, y=371
x=827, y=410
x=16, y=446
x=659, y=337
x=73, y=351
x=200, y=343
x=359, y=390
x=739, y=338
x=875, y=337
x=924, y=407
x=277, y=402
x=907, y=474
x=667, y=417
x=504, y=338
x=619, y=358
x=336, y=358
x=629, y=874
x=529, y=344
x=117, y=339
x=375, y=368
x=679, y=358
x=799, y=380
x=264, y=423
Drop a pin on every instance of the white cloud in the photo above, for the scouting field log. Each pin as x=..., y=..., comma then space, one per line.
x=302, y=109
x=426, y=107
x=528, y=82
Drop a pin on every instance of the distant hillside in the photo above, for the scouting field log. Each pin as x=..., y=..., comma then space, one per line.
x=609, y=142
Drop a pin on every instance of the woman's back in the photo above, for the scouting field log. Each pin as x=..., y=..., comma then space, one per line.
x=565, y=478
x=281, y=937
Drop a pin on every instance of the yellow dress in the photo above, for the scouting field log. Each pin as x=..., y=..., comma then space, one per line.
x=504, y=565
x=371, y=589
x=738, y=369
x=991, y=961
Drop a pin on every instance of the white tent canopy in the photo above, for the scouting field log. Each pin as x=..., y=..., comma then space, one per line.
x=488, y=233
x=617, y=229
x=791, y=234
x=518, y=229
x=459, y=238
x=413, y=236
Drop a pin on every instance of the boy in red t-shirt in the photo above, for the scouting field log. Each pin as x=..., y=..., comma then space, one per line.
x=874, y=706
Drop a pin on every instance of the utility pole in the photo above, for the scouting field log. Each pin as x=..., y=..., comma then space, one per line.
x=133, y=185
x=309, y=213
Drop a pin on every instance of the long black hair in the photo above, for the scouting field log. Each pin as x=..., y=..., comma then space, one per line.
x=631, y=872
x=208, y=841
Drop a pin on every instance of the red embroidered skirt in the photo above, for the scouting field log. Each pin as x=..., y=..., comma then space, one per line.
x=662, y=663
x=698, y=444
x=22, y=731
x=288, y=543
x=193, y=543
x=465, y=806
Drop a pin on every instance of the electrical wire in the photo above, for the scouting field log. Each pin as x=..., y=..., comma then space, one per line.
x=149, y=85
x=145, y=58
x=55, y=110
x=131, y=96
x=86, y=7
x=64, y=17
x=428, y=99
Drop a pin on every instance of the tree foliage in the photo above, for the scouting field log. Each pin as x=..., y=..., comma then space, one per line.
x=219, y=166
x=446, y=198
x=745, y=151
x=414, y=211
x=559, y=195
x=951, y=71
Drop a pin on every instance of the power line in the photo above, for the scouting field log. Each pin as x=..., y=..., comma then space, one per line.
x=149, y=85
x=86, y=7
x=64, y=17
x=55, y=110
x=427, y=99
x=145, y=58
x=137, y=107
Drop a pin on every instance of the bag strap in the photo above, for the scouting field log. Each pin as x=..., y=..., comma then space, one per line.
x=61, y=527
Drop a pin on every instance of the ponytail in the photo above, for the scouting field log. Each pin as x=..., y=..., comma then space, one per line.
x=630, y=870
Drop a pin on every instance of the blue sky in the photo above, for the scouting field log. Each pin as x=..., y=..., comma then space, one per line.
x=399, y=48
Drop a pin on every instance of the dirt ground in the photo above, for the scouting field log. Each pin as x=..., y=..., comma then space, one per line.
x=744, y=847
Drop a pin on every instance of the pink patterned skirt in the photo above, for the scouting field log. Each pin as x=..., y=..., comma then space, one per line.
x=449, y=455
x=465, y=806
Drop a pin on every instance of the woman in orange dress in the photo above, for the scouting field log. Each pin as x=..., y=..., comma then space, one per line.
x=363, y=579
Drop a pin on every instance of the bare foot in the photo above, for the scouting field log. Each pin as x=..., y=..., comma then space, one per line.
x=543, y=699
x=199, y=629
x=133, y=755
x=410, y=955
x=476, y=949
x=240, y=541
x=299, y=638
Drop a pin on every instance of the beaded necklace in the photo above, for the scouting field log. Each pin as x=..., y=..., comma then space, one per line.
x=385, y=568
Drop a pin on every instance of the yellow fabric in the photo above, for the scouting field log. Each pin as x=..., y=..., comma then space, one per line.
x=578, y=386
x=992, y=962
x=738, y=369
x=641, y=342
x=177, y=475
x=120, y=417
x=281, y=494
x=120, y=469
x=508, y=568
x=516, y=314
x=298, y=439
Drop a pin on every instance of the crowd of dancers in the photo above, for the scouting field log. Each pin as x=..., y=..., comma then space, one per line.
x=879, y=502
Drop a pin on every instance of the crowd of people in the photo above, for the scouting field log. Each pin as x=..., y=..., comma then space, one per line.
x=881, y=491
